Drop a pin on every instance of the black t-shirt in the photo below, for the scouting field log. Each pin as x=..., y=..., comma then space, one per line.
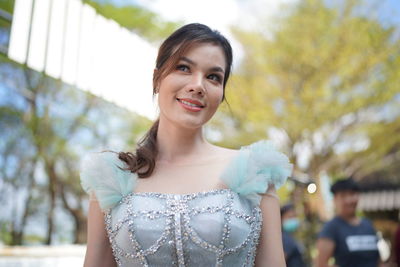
x=292, y=250
x=355, y=245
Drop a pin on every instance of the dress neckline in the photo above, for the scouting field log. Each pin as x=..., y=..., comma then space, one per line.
x=195, y=194
x=185, y=195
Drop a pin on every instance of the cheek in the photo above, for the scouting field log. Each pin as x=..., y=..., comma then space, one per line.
x=166, y=89
x=163, y=99
x=217, y=97
x=350, y=202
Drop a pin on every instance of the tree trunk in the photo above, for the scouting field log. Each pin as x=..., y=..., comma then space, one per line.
x=17, y=233
x=16, y=237
x=80, y=228
x=52, y=189
x=77, y=214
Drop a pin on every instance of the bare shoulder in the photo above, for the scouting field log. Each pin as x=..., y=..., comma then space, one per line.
x=224, y=152
x=222, y=156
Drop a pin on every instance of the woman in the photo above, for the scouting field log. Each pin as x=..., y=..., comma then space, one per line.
x=179, y=200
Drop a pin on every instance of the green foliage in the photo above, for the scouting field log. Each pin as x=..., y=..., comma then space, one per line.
x=319, y=73
x=138, y=19
x=49, y=127
x=381, y=160
x=7, y=5
x=327, y=79
x=5, y=235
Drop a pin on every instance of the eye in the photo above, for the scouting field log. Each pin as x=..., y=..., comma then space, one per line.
x=215, y=77
x=182, y=67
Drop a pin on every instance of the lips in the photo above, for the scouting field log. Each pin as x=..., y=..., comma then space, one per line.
x=190, y=104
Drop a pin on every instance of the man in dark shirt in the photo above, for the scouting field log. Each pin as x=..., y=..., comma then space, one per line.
x=351, y=240
x=292, y=249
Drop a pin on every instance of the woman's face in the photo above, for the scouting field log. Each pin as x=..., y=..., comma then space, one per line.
x=190, y=95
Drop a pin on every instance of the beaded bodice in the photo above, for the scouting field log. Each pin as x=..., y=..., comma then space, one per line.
x=216, y=228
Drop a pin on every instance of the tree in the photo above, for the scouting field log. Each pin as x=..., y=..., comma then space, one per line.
x=48, y=126
x=138, y=19
x=315, y=80
x=320, y=80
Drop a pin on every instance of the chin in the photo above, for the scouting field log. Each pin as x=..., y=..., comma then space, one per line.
x=192, y=122
x=191, y=125
x=186, y=121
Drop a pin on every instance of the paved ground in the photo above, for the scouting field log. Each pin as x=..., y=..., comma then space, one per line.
x=41, y=262
x=42, y=256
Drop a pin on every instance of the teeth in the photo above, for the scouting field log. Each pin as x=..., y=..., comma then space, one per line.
x=189, y=104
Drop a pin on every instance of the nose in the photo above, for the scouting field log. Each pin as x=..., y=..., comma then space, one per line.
x=196, y=85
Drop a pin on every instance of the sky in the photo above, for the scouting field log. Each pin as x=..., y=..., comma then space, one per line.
x=218, y=15
x=221, y=13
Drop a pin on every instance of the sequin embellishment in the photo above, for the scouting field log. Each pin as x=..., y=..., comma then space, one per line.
x=178, y=212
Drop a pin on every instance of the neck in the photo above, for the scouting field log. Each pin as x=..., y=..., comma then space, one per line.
x=175, y=144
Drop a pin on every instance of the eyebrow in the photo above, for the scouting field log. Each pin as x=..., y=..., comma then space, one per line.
x=218, y=69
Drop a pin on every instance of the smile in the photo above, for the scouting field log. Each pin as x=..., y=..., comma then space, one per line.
x=191, y=105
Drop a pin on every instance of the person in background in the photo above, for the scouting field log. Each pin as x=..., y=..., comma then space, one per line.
x=351, y=240
x=291, y=248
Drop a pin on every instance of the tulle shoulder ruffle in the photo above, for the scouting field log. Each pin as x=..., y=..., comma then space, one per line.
x=100, y=174
x=255, y=168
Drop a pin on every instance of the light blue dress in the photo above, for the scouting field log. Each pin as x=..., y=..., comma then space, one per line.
x=215, y=228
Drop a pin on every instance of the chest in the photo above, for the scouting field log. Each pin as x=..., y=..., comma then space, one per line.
x=215, y=228
x=355, y=238
x=184, y=178
x=356, y=242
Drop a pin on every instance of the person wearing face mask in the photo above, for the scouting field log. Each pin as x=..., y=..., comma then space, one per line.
x=291, y=248
x=350, y=239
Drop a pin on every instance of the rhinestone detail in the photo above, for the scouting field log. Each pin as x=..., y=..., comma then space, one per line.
x=178, y=230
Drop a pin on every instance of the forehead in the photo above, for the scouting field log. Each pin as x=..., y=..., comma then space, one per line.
x=345, y=193
x=207, y=54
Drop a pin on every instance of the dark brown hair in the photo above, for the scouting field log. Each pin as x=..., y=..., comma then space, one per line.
x=171, y=50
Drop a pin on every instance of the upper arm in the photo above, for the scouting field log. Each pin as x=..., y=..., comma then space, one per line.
x=270, y=248
x=325, y=247
x=98, y=251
